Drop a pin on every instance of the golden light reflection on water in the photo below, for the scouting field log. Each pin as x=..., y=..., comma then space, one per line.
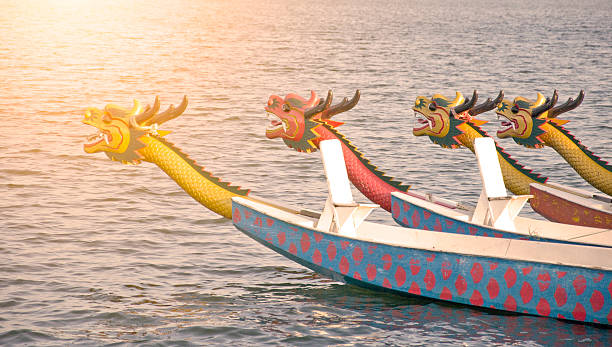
x=68, y=54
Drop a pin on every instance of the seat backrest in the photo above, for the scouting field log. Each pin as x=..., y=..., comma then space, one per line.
x=335, y=171
x=490, y=171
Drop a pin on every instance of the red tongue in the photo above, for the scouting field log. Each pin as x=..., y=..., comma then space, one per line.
x=506, y=124
x=275, y=122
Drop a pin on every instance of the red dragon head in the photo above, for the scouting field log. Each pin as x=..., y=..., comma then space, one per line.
x=295, y=119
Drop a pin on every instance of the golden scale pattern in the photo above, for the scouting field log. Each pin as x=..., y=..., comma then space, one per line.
x=514, y=180
x=201, y=189
x=588, y=169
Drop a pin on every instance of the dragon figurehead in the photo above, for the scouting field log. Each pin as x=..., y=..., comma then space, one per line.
x=120, y=129
x=441, y=118
x=525, y=118
x=296, y=119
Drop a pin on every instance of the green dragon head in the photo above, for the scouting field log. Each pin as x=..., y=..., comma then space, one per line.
x=296, y=120
x=439, y=118
x=120, y=129
x=526, y=118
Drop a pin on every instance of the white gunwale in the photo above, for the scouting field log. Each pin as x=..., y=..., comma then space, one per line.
x=591, y=257
x=527, y=226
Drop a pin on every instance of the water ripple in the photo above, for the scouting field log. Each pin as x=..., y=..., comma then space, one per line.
x=98, y=253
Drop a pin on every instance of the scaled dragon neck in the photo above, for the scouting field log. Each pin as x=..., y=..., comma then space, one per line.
x=516, y=177
x=370, y=181
x=594, y=170
x=207, y=189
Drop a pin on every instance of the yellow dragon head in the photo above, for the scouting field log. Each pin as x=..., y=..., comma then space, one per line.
x=120, y=129
x=525, y=118
x=439, y=117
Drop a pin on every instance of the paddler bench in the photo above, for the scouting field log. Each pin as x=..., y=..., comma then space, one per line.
x=495, y=208
x=341, y=213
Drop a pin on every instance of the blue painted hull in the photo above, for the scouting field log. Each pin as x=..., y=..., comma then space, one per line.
x=542, y=289
x=410, y=215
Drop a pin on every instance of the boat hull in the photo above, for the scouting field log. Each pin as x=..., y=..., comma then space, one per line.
x=529, y=287
x=564, y=208
x=410, y=215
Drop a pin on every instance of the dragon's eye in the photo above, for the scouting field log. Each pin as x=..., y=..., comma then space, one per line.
x=432, y=106
x=514, y=109
x=286, y=108
x=106, y=118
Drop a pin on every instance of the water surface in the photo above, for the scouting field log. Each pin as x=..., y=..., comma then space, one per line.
x=97, y=253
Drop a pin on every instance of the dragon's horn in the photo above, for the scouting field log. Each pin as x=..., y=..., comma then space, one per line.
x=550, y=102
x=467, y=104
x=487, y=105
x=322, y=106
x=147, y=113
x=458, y=96
x=343, y=106
x=569, y=105
x=313, y=99
x=169, y=114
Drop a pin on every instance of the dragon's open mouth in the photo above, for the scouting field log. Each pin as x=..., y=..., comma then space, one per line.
x=275, y=123
x=98, y=138
x=506, y=125
x=421, y=119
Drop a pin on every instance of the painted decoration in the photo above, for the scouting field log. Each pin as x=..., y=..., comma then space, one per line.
x=536, y=127
x=132, y=135
x=549, y=290
x=452, y=123
x=574, y=213
x=410, y=215
x=303, y=123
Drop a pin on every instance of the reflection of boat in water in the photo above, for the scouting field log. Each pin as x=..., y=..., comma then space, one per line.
x=541, y=278
x=459, y=323
x=496, y=214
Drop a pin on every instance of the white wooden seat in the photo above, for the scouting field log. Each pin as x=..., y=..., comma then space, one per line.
x=495, y=208
x=341, y=213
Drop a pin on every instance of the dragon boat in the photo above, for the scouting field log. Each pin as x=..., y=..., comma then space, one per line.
x=530, y=127
x=303, y=123
x=131, y=135
x=496, y=213
x=566, y=281
x=453, y=124
x=415, y=262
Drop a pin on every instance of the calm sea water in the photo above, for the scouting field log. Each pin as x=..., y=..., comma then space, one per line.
x=96, y=253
